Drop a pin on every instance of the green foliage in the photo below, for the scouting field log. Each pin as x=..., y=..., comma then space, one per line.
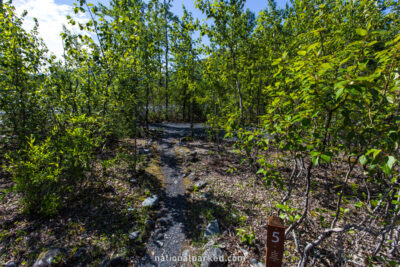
x=246, y=236
x=46, y=174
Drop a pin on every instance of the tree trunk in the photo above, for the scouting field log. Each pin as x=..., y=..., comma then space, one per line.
x=191, y=118
x=237, y=82
x=147, y=106
x=166, y=60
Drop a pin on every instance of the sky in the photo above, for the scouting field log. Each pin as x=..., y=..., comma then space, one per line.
x=51, y=15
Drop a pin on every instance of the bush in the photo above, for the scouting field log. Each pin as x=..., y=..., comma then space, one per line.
x=48, y=173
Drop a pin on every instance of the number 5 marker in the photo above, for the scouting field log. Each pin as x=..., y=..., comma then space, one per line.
x=275, y=242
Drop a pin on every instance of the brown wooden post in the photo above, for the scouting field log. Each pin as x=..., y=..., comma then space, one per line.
x=275, y=242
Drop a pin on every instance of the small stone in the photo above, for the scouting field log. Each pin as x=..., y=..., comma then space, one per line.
x=200, y=185
x=150, y=201
x=212, y=229
x=256, y=263
x=158, y=237
x=234, y=216
x=50, y=257
x=192, y=176
x=245, y=252
x=11, y=264
x=144, y=151
x=133, y=180
x=159, y=243
x=186, y=255
x=131, y=209
x=213, y=257
x=163, y=221
x=205, y=196
x=210, y=243
x=149, y=223
x=105, y=263
x=134, y=235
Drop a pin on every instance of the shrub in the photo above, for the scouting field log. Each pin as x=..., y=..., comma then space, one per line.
x=46, y=174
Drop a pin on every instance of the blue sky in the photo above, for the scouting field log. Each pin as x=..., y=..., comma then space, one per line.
x=254, y=5
x=51, y=15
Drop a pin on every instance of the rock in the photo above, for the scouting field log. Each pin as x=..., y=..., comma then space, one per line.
x=158, y=237
x=256, y=263
x=105, y=263
x=11, y=264
x=150, y=201
x=245, y=252
x=157, y=232
x=209, y=244
x=205, y=196
x=186, y=255
x=213, y=257
x=159, y=243
x=49, y=257
x=144, y=151
x=234, y=216
x=163, y=221
x=134, y=235
x=200, y=185
x=133, y=180
x=191, y=176
x=149, y=223
x=212, y=229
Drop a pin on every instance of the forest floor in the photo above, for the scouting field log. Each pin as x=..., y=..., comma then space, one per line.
x=192, y=183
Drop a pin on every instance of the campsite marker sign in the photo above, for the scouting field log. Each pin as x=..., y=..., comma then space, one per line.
x=275, y=242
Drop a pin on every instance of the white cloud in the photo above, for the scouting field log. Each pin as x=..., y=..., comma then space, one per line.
x=51, y=18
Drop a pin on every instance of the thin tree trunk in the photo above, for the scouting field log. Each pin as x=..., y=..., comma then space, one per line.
x=166, y=61
x=184, y=106
x=238, y=87
x=191, y=117
x=147, y=106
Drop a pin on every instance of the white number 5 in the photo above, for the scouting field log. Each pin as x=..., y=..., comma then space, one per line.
x=276, y=236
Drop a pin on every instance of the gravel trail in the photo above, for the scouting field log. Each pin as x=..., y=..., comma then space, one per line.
x=169, y=236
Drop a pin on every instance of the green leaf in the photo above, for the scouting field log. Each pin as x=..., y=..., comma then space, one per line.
x=339, y=93
x=261, y=170
x=326, y=66
x=390, y=162
x=361, y=32
x=363, y=160
x=359, y=204
x=385, y=168
x=326, y=158
x=301, y=53
x=315, y=153
x=281, y=207
x=374, y=151
x=315, y=161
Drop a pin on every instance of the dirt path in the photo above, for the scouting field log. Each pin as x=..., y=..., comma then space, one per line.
x=169, y=236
